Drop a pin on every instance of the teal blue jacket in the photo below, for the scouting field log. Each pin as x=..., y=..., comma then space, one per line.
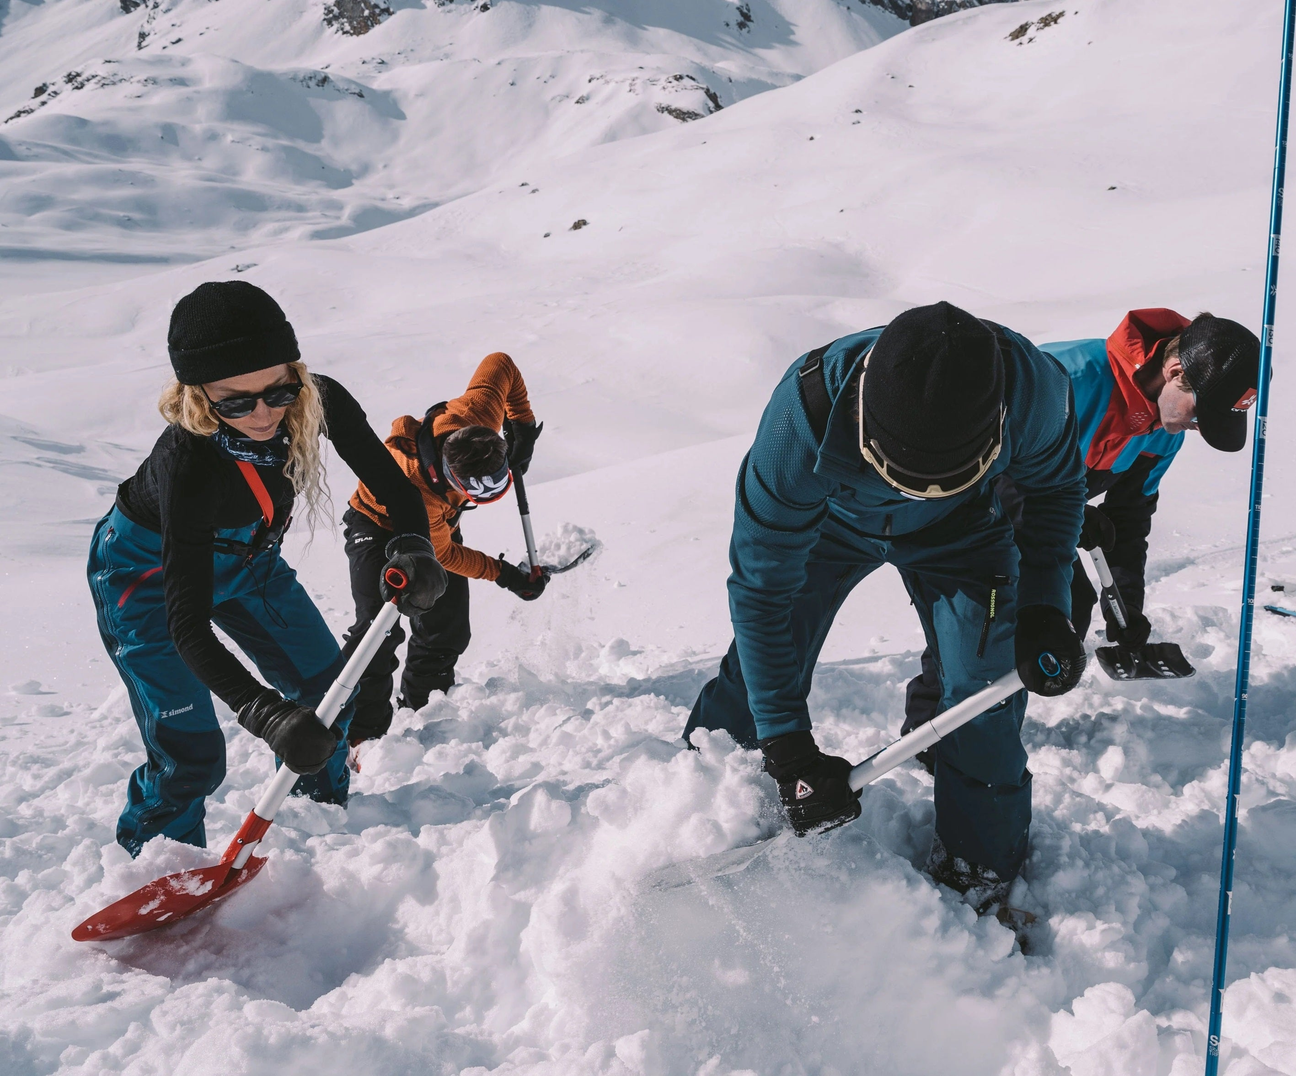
x=789, y=484
x=1092, y=383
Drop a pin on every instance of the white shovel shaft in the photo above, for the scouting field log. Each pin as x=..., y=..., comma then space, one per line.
x=327, y=711
x=1100, y=563
x=925, y=735
x=533, y=558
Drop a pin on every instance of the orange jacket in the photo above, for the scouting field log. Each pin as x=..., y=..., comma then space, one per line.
x=495, y=392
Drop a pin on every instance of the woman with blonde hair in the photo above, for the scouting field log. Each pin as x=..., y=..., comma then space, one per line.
x=193, y=540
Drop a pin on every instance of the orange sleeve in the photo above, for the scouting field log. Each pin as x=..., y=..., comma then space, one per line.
x=453, y=556
x=495, y=392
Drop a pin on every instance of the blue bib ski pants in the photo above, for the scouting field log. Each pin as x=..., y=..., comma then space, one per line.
x=264, y=609
x=983, y=793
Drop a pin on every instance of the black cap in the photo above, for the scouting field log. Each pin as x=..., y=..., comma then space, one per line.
x=227, y=328
x=933, y=391
x=1222, y=362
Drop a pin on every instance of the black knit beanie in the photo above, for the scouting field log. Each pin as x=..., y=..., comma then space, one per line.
x=227, y=328
x=933, y=390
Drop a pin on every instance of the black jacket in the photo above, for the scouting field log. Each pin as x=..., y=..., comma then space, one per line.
x=187, y=490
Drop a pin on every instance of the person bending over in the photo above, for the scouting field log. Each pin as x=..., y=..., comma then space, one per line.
x=457, y=459
x=1157, y=377
x=193, y=540
x=882, y=448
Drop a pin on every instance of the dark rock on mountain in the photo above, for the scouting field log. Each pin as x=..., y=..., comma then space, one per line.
x=355, y=17
x=920, y=11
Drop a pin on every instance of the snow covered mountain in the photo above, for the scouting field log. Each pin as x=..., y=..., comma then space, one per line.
x=179, y=128
x=486, y=903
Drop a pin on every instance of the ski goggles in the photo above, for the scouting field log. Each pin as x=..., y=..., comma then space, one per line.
x=275, y=396
x=484, y=489
x=927, y=487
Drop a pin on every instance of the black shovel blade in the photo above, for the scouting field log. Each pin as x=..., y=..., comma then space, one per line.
x=1152, y=661
x=580, y=558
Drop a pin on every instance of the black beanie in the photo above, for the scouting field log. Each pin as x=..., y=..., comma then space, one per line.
x=227, y=328
x=933, y=390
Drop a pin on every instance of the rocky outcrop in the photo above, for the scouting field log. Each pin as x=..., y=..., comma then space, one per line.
x=355, y=17
x=920, y=11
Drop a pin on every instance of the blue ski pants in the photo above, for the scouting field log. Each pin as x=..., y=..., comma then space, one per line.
x=263, y=608
x=983, y=797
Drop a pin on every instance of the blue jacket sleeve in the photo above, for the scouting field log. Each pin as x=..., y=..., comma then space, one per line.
x=778, y=512
x=1047, y=470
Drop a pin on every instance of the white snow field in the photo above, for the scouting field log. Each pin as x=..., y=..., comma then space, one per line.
x=486, y=903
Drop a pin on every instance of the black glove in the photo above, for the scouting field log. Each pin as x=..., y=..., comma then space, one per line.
x=412, y=554
x=1134, y=634
x=520, y=582
x=293, y=732
x=814, y=787
x=1050, y=655
x=520, y=437
x=1097, y=530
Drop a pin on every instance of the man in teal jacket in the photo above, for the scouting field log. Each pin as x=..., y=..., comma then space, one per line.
x=882, y=448
x=1136, y=394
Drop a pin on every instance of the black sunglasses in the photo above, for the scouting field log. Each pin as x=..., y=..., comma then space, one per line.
x=242, y=406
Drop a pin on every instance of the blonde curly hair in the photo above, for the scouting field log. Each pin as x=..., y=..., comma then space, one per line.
x=187, y=406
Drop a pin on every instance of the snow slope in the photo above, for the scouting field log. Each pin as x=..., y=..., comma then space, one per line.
x=486, y=903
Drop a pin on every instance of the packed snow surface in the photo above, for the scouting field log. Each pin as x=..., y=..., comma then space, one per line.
x=491, y=901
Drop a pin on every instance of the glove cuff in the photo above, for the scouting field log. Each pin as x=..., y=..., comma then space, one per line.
x=408, y=543
x=252, y=714
x=786, y=754
x=507, y=572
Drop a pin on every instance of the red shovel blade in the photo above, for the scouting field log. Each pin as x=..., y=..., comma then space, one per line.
x=167, y=899
x=156, y=904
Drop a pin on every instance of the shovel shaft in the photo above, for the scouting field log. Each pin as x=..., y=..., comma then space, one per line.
x=524, y=510
x=533, y=558
x=1110, y=591
x=927, y=734
x=327, y=711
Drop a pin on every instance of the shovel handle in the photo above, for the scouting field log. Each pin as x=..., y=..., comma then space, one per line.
x=327, y=711
x=1110, y=591
x=927, y=734
x=524, y=510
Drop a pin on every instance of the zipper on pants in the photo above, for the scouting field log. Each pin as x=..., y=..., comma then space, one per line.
x=992, y=611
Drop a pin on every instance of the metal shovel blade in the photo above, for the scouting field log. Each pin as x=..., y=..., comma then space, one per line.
x=730, y=861
x=1152, y=661
x=166, y=901
x=580, y=558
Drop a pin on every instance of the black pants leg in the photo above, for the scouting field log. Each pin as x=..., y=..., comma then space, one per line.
x=365, y=545
x=437, y=638
x=923, y=695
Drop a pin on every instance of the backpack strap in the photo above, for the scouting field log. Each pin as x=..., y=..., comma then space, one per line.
x=259, y=491
x=427, y=450
x=814, y=392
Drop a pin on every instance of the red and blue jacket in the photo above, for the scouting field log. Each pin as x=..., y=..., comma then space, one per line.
x=1125, y=448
